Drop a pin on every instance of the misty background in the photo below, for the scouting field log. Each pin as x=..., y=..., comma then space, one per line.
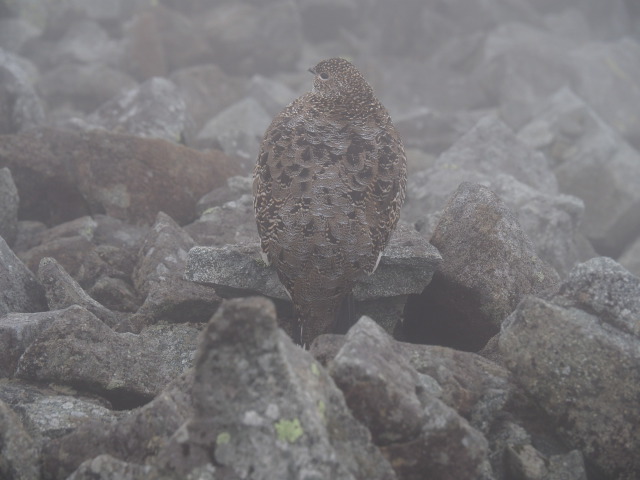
x=562, y=75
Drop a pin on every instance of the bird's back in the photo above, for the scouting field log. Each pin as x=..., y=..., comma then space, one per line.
x=328, y=191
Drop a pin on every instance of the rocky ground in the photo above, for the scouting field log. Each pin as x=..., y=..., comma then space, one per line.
x=140, y=336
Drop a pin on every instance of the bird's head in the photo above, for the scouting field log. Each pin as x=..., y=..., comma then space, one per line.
x=337, y=79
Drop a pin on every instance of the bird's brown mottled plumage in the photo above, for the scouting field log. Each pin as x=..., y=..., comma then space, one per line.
x=328, y=186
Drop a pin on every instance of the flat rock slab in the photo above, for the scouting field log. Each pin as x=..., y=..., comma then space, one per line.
x=406, y=267
x=80, y=350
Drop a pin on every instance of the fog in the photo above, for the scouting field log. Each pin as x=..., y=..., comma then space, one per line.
x=129, y=130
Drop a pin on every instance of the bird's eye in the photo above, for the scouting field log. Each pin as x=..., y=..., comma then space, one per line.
x=324, y=76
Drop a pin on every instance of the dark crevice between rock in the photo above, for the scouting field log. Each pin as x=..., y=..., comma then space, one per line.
x=436, y=318
x=122, y=399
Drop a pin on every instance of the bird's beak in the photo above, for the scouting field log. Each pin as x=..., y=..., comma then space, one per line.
x=312, y=70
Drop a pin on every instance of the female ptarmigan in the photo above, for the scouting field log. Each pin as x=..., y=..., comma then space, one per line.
x=328, y=186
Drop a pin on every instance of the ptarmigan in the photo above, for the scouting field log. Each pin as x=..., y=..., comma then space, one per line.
x=328, y=187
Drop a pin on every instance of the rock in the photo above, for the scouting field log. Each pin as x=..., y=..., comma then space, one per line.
x=386, y=394
x=80, y=350
x=380, y=387
x=406, y=267
x=525, y=462
x=630, y=259
x=207, y=90
x=85, y=42
x=77, y=248
x=271, y=94
x=471, y=295
x=63, y=291
x=604, y=288
x=54, y=416
x=567, y=467
x=28, y=235
x=17, y=331
x=115, y=232
x=173, y=301
x=9, y=212
x=128, y=178
x=106, y=467
x=71, y=252
x=19, y=289
x=249, y=38
x=160, y=40
x=143, y=431
x=576, y=354
x=490, y=148
x=434, y=131
x=593, y=163
x=521, y=66
x=144, y=53
x=235, y=188
x=163, y=254
x=19, y=103
x=155, y=109
x=85, y=87
x=15, y=32
x=92, y=9
x=115, y=294
x=278, y=415
x=606, y=74
x=552, y=222
x=238, y=130
x=476, y=388
x=232, y=222
x=18, y=457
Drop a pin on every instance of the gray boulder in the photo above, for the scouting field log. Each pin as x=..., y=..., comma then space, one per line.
x=593, y=163
x=271, y=94
x=174, y=300
x=238, y=130
x=476, y=388
x=84, y=86
x=521, y=65
x=248, y=38
x=18, y=454
x=63, y=291
x=78, y=349
x=163, y=254
x=552, y=222
x=488, y=149
x=15, y=32
x=606, y=74
x=17, y=332
x=488, y=265
x=135, y=438
x=154, y=109
x=20, y=105
x=106, y=467
x=263, y=408
x=84, y=42
x=232, y=222
x=577, y=353
x=630, y=259
x=10, y=201
x=207, y=90
x=53, y=416
x=387, y=395
x=19, y=289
